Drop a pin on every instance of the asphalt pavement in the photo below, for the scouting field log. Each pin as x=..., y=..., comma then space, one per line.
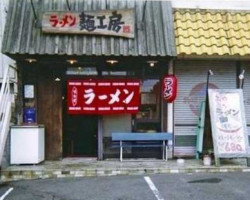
x=198, y=186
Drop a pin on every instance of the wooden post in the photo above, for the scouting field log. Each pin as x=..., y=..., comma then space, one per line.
x=100, y=139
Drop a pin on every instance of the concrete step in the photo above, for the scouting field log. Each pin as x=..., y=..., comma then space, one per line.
x=86, y=168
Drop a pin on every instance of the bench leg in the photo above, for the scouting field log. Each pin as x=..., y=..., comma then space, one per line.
x=166, y=152
x=248, y=162
x=121, y=151
x=163, y=149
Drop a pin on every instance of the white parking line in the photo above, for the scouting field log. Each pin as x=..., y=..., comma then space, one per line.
x=153, y=188
x=6, y=193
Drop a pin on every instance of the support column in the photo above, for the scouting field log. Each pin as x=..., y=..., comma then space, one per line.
x=100, y=139
x=170, y=113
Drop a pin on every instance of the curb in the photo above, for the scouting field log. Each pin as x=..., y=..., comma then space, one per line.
x=17, y=175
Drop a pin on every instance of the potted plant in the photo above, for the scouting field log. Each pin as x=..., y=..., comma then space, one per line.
x=207, y=157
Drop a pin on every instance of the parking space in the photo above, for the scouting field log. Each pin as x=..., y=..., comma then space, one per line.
x=110, y=188
x=219, y=186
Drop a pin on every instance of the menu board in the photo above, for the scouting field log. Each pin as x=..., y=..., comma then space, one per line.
x=228, y=122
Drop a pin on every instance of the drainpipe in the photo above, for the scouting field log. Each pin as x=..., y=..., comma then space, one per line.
x=170, y=112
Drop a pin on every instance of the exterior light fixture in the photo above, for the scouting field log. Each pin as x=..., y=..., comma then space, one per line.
x=241, y=78
x=152, y=63
x=30, y=60
x=72, y=61
x=57, y=79
x=209, y=73
x=79, y=68
x=112, y=61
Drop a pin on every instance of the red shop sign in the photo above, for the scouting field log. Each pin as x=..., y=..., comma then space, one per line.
x=103, y=96
x=169, y=88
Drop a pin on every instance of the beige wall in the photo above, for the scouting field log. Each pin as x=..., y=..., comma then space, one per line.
x=116, y=123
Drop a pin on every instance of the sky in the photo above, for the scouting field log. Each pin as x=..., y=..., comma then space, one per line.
x=212, y=4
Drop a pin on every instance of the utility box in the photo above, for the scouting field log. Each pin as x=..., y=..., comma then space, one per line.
x=27, y=144
x=29, y=115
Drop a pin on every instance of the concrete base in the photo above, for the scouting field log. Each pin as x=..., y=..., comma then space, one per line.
x=80, y=167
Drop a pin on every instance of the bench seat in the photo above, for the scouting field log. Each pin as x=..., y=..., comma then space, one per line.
x=121, y=140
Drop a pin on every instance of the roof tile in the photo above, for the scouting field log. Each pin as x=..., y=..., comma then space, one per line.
x=201, y=50
x=205, y=32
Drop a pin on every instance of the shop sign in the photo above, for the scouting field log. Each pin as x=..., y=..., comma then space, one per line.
x=169, y=88
x=103, y=96
x=229, y=130
x=104, y=22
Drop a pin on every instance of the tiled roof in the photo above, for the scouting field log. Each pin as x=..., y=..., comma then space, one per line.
x=207, y=32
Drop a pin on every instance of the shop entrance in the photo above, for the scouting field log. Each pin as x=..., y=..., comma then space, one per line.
x=80, y=135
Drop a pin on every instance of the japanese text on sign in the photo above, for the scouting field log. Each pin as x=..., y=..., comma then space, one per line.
x=228, y=123
x=105, y=22
x=169, y=88
x=103, y=96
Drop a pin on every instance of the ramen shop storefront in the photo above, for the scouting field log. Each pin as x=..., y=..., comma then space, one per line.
x=118, y=103
x=91, y=70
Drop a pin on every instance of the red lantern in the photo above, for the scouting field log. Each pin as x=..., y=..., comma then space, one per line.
x=169, y=88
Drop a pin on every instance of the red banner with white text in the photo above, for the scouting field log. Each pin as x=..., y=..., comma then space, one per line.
x=103, y=96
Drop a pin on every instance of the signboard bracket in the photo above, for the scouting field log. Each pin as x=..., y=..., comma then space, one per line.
x=217, y=161
x=200, y=130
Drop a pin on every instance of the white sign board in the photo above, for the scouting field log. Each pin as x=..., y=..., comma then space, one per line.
x=228, y=123
x=29, y=91
x=104, y=22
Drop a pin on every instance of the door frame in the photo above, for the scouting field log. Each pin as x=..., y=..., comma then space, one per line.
x=99, y=154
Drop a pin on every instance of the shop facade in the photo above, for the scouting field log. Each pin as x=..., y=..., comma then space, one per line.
x=48, y=61
x=207, y=40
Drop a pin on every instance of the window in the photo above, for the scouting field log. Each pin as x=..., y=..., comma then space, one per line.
x=88, y=71
x=148, y=118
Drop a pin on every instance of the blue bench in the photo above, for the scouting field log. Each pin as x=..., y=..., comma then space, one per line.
x=121, y=140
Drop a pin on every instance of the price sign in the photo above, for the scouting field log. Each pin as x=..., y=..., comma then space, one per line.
x=228, y=123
